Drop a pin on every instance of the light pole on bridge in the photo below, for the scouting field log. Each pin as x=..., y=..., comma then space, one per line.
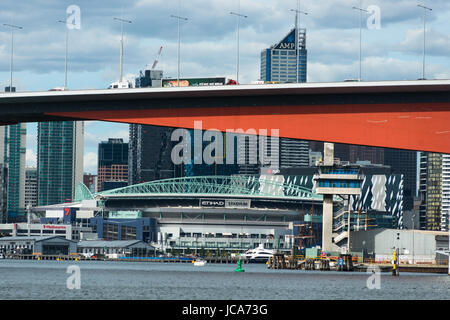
x=12, y=27
x=239, y=16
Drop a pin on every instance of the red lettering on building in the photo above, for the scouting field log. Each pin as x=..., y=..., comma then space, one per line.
x=54, y=227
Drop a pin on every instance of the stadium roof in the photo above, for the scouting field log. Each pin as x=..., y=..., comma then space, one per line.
x=267, y=187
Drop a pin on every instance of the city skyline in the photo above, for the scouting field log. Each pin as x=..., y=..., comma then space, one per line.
x=241, y=153
x=393, y=52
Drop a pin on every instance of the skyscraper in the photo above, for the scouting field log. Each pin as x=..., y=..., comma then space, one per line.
x=293, y=153
x=150, y=149
x=112, y=162
x=59, y=160
x=12, y=156
x=434, y=191
x=3, y=193
x=404, y=162
x=279, y=62
x=445, y=219
x=283, y=62
x=31, y=187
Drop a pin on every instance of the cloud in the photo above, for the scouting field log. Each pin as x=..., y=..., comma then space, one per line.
x=374, y=69
x=31, y=158
x=437, y=43
x=98, y=131
x=90, y=162
x=208, y=38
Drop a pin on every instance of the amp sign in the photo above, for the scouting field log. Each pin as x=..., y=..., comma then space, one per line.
x=288, y=43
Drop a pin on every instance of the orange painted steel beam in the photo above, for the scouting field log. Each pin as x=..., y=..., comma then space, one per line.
x=413, y=126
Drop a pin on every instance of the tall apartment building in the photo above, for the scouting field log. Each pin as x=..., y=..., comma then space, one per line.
x=3, y=193
x=279, y=153
x=12, y=156
x=3, y=180
x=445, y=191
x=434, y=191
x=59, y=160
x=30, y=187
x=112, y=162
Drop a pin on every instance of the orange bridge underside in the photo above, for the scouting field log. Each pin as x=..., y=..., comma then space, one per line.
x=418, y=126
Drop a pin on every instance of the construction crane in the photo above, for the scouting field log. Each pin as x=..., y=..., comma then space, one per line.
x=157, y=58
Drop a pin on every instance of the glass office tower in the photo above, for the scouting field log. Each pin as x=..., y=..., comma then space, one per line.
x=12, y=156
x=59, y=160
x=434, y=191
x=282, y=62
x=112, y=162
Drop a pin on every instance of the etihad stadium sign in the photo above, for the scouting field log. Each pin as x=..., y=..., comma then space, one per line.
x=225, y=203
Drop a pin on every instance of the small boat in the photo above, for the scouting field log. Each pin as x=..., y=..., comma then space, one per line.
x=199, y=262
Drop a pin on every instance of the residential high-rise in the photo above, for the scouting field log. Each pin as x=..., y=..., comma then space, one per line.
x=259, y=152
x=445, y=219
x=30, y=187
x=3, y=193
x=59, y=160
x=112, y=162
x=434, y=191
x=294, y=153
x=12, y=155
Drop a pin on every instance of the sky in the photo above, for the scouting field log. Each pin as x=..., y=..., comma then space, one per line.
x=392, y=50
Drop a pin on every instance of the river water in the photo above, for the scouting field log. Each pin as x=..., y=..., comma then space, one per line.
x=48, y=280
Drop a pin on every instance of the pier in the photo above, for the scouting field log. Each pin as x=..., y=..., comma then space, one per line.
x=280, y=261
x=219, y=260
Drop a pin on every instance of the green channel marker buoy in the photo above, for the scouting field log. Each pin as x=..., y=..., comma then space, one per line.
x=239, y=267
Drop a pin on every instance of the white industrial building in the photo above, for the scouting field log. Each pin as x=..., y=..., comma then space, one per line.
x=416, y=246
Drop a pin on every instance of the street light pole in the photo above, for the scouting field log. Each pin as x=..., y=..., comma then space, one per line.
x=239, y=16
x=66, y=56
x=360, y=37
x=424, y=37
x=12, y=27
x=121, y=45
x=297, y=26
x=179, y=45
